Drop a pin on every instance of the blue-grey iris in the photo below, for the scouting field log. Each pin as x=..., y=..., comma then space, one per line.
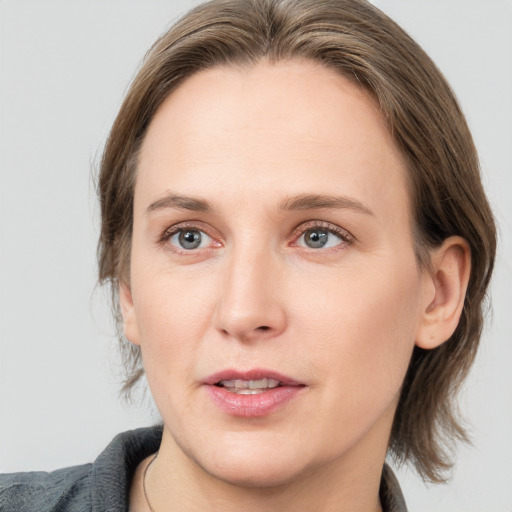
x=190, y=239
x=316, y=238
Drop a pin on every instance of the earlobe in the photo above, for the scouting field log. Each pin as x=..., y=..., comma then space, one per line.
x=130, y=326
x=451, y=267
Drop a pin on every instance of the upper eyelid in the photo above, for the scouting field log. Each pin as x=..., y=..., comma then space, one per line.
x=181, y=226
x=329, y=226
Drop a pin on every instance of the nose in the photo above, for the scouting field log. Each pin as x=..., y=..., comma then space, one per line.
x=250, y=305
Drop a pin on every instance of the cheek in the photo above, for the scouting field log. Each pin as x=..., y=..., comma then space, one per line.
x=172, y=316
x=361, y=328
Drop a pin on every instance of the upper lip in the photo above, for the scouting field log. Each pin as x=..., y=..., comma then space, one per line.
x=252, y=374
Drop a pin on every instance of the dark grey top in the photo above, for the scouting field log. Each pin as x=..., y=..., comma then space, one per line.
x=104, y=485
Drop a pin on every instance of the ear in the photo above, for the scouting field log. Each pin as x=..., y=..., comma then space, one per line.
x=130, y=327
x=449, y=275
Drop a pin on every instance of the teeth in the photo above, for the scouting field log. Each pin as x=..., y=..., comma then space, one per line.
x=258, y=384
x=249, y=387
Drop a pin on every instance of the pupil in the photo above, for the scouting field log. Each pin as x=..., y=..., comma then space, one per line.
x=316, y=238
x=190, y=239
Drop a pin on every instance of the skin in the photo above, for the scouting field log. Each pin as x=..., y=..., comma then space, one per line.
x=341, y=319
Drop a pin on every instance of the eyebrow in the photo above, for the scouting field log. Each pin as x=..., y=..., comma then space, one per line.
x=181, y=203
x=315, y=201
x=300, y=202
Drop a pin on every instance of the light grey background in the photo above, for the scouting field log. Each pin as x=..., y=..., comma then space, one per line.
x=64, y=67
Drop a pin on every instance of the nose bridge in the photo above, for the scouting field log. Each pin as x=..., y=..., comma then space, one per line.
x=249, y=305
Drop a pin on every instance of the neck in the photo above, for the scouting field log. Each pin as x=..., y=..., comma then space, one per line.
x=175, y=482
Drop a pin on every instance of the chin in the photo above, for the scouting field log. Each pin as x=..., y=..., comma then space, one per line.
x=252, y=464
x=246, y=474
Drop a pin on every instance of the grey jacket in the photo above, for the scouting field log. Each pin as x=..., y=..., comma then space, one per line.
x=104, y=485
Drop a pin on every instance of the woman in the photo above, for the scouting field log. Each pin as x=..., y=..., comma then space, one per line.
x=295, y=231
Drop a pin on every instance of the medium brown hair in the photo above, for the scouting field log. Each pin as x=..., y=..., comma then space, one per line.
x=424, y=118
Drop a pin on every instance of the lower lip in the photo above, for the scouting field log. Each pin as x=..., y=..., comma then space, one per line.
x=252, y=406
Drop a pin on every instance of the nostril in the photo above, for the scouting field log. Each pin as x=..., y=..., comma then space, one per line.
x=263, y=328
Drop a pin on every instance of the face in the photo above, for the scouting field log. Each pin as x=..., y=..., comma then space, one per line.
x=274, y=289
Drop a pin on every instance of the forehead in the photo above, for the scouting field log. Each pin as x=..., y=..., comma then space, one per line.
x=294, y=126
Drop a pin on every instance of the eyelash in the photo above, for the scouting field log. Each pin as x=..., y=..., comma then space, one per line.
x=345, y=237
x=178, y=228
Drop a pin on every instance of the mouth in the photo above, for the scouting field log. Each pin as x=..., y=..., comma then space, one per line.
x=252, y=393
x=248, y=387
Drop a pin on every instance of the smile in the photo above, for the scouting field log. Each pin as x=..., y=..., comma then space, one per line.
x=254, y=393
x=248, y=387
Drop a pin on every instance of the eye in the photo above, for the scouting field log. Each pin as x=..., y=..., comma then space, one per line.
x=319, y=238
x=190, y=239
x=322, y=237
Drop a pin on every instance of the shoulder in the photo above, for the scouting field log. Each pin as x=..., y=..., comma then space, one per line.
x=391, y=496
x=65, y=489
x=102, y=486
